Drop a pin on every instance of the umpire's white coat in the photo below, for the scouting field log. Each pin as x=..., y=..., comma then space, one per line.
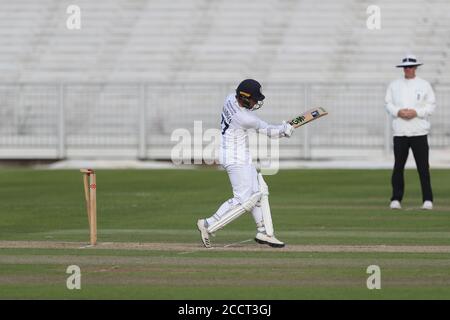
x=414, y=94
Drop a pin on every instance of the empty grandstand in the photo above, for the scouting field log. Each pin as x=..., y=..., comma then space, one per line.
x=138, y=69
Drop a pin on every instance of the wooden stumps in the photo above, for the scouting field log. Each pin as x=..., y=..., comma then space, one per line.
x=90, y=188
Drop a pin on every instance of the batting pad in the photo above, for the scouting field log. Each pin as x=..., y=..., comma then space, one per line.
x=235, y=212
x=265, y=207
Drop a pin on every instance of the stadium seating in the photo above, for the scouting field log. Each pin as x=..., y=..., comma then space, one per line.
x=181, y=57
x=220, y=41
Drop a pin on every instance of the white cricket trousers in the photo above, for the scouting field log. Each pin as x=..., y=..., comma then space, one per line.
x=244, y=181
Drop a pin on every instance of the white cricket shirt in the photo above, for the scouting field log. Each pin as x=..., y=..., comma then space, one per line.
x=236, y=122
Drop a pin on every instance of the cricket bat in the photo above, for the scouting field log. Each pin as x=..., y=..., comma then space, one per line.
x=308, y=116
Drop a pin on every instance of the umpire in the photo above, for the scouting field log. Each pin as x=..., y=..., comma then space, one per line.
x=410, y=101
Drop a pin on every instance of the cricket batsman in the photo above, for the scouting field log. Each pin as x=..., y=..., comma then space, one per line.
x=250, y=192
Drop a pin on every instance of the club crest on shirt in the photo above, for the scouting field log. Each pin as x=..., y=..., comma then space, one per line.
x=419, y=95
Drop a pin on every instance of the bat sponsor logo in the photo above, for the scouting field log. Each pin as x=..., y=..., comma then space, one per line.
x=308, y=116
x=298, y=120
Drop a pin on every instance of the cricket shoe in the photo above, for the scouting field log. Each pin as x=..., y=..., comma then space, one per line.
x=395, y=204
x=263, y=238
x=201, y=225
x=427, y=205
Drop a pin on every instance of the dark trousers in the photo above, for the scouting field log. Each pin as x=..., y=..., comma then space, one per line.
x=420, y=149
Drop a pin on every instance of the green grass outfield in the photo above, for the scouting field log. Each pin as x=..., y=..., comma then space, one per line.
x=42, y=211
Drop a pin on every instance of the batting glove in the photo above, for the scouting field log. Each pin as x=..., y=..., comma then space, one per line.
x=287, y=129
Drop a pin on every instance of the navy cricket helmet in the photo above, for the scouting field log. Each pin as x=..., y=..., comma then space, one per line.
x=250, y=89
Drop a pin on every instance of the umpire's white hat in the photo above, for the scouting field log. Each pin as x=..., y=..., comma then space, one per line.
x=409, y=60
